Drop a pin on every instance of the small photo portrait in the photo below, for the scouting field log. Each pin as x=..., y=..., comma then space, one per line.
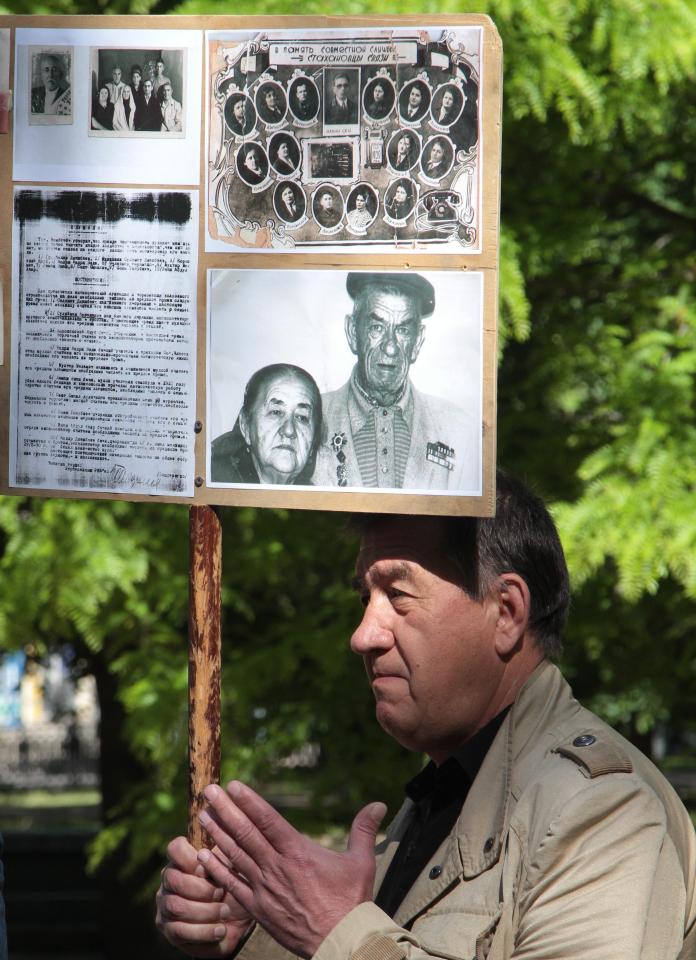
x=271, y=103
x=329, y=159
x=437, y=158
x=362, y=207
x=284, y=154
x=403, y=150
x=252, y=163
x=379, y=97
x=414, y=101
x=341, y=97
x=51, y=85
x=240, y=115
x=289, y=202
x=447, y=105
x=327, y=206
x=137, y=91
x=400, y=198
x=303, y=99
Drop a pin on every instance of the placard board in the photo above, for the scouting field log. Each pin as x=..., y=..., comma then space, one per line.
x=251, y=261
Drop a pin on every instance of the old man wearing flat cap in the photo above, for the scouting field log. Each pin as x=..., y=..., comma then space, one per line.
x=379, y=430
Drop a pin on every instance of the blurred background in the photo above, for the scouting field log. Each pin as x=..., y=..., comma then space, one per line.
x=596, y=411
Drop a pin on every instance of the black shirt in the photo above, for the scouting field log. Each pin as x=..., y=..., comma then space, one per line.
x=438, y=794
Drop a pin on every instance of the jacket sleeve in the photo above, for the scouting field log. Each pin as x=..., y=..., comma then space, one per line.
x=603, y=880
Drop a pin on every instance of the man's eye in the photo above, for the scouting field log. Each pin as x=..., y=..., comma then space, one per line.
x=376, y=329
x=302, y=418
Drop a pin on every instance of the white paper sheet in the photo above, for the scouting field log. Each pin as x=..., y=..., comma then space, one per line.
x=104, y=341
x=69, y=151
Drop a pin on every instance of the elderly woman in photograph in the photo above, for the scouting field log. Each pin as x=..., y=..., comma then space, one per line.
x=124, y=111
x=277, y=432
x=103, y=111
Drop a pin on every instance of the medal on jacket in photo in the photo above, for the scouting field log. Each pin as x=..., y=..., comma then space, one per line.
x=440, y=453
x=338, y=441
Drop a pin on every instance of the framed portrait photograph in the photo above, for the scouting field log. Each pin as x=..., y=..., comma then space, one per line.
x=137, y=92
x=50, y=85
x=340, y=380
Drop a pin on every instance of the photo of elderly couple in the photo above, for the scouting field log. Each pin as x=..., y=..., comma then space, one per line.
x=382, y=390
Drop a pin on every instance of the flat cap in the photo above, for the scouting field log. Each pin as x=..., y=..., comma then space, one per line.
x=411, y=283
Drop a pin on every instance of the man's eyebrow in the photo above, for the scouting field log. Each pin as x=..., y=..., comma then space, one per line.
x=398, y=570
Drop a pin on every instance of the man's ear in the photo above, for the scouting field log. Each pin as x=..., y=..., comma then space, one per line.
x=351, y=333
x=514, y=603
x=415, y=350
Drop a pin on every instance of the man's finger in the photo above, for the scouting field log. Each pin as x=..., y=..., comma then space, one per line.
x=236, y=824
x=363, y=832
x=276, y=829
x=227, y=850
x=190, y=887
x=174, y=908
x=212, y=934
x=231, y=881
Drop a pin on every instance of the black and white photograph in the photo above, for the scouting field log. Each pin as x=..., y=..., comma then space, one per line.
x=240, y=114
x=447, y=105
x=379, y=97
x=437, y=158
x=271, y=103
x=400, y=199
x=289, y=202
x=361, y=206
x=403, y=150
x=331, y=158
x=137, y=92
x=327, y=206
x=50, y=85
x=303, y=99
x=252, y=164
x=356, y=109
x=414, y=101
x=346, y=380
x=284, y=154
x=341, y=97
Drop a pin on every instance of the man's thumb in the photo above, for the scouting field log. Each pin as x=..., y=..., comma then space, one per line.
x=365, y=827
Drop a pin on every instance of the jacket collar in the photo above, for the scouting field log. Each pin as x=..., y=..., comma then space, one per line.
x=476, y=841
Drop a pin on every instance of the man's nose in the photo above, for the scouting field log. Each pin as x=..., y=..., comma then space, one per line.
x=372, y=633
x=389, y=344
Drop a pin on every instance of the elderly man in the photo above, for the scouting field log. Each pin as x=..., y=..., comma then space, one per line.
x=379, y=430
x=53, y=97
x=172, y=114
x=536, y=831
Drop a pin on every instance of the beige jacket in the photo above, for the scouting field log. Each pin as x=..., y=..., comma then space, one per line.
x=570, y=846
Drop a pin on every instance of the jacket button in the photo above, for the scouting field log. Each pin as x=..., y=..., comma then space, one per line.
x=435, y=872
x=488, y=845
x=586, y=740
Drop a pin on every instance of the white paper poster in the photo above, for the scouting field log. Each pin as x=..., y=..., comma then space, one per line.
x=104, y=341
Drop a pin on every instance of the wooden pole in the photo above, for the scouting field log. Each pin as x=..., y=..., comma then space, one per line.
x=205, y=564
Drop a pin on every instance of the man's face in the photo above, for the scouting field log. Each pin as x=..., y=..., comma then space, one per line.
x=51, y=73
x=160, y=67
x=428, y=648
x=167, y=91
x=147, y=88
x=301, y=92
x=116, y=75
x=238, y=111
x=271, y=98
x=385, y=336
x=280, y=428
x=378, y=93
x=415, y=97
x=447, y=100
x=326, y=201
x=287, y=196
x=340, y=86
